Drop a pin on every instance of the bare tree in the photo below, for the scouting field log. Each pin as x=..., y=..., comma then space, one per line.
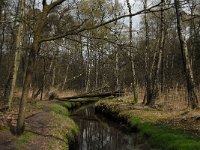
x=37, y=31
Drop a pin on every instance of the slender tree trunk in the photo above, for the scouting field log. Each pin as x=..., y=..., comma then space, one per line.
x=117, y=69
x=53, y=76
x=1, y=46
x=158, y=60
x=19, y=40
x=26, y=87
x=43, y=79
x=96, y=70
x=66, y=77
x=135, y=94
x=192, y=97
x=147, y=60
x=54, y=69
x=88, y=72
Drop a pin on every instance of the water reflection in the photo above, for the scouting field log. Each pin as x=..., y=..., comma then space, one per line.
x=96, y=134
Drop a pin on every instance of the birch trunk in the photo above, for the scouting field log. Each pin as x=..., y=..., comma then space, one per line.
x=158, y=59
x=14, y=70
x=66, y=77
x=147, y=96
x=88, y=67
x=192, y=97
x=134, y=85
x=117, y=70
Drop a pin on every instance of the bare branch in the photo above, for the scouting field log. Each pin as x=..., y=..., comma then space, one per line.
x=73, y=32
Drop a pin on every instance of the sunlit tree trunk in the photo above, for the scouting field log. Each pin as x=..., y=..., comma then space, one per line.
x=192, y=97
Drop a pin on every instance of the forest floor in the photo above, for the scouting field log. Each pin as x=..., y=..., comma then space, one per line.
x=46, y=125
x=188, y=120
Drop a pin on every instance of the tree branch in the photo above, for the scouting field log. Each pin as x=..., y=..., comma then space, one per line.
x=73, y=32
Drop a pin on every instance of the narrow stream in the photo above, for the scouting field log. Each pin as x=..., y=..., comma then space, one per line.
x=97, y=133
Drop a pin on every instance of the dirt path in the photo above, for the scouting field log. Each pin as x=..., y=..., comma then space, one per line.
x=47, y=125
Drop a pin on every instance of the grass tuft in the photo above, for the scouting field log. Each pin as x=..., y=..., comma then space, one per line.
x=59, y=109
x=23, y=140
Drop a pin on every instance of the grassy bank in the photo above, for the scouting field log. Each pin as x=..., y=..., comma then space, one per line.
x=48, y=127
x=149, y=125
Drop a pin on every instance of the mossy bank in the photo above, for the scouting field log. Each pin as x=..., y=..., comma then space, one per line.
x=154, y=133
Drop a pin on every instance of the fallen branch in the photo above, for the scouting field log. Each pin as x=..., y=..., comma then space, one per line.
x=101, y=95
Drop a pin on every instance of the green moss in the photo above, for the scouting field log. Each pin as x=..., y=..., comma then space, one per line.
x=59, y=109
x=69, y=105
x=157, y=135
x=67, y=127
x=23, y=139
x=164, y=137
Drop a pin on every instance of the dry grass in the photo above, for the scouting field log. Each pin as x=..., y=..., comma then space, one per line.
x=170, y=99
x=171, y=109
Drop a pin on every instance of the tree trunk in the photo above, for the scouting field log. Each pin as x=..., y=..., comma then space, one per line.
x=148, y=95
x=192, y=97
x=19, y=41
x=37, y=31
x=1, y=45
x=65, y=80
x=134, y=85
x=43, y=79
x=26, y=87
x=54, y=69
x=158, y=60
x=96, y=69
x=88, y=72
x=117, y=69
x=53, y=76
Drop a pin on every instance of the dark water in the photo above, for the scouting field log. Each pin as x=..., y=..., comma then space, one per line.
x=97, y=133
